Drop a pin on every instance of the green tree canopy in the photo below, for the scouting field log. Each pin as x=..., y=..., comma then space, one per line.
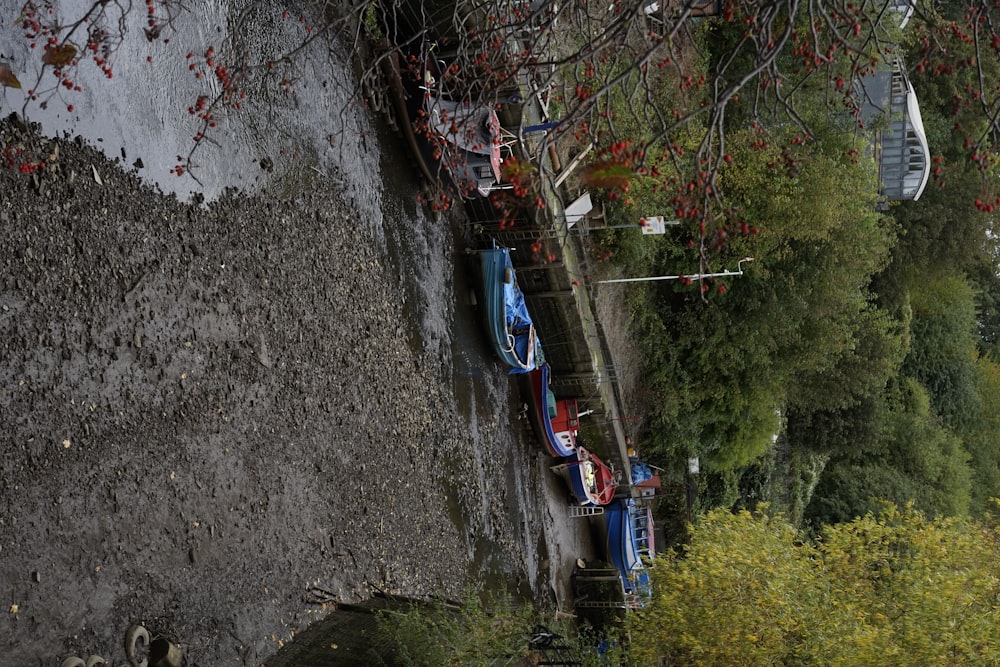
x=800, y=326
x=982, y=436
x=943, y=350
x=914, y=458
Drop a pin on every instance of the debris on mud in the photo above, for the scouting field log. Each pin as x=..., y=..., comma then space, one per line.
x=208, y=412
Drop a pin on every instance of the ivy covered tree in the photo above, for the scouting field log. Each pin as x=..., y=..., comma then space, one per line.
x=915, y=457
x=982, y=437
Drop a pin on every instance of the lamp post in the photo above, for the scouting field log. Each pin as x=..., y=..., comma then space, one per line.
x=693, y=276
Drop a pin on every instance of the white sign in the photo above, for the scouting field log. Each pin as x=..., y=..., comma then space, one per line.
x=576, y=211
x=655, y=224
x=694, y=465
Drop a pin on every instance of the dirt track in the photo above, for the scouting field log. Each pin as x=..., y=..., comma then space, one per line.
x=207, y=412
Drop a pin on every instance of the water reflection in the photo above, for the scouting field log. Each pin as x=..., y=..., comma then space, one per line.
x=142, y=112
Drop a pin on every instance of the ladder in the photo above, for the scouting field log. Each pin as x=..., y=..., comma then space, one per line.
x=577, y=511
x=602, y=604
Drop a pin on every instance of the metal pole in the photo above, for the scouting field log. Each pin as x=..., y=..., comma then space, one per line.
x=573, y=164
x=693, y=276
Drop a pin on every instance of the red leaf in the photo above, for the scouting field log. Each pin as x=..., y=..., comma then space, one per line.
x=607, y=174
x=59, y=55
x=7, y=77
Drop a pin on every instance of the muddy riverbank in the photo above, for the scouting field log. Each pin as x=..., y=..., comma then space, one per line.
x=214, y=416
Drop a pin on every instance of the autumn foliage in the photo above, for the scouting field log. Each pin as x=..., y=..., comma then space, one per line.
x=891, y=588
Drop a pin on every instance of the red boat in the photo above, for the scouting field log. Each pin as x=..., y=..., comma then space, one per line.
x=591, y=480
x=555, y=421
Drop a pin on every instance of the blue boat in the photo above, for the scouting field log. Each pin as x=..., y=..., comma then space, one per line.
x=631, y=547
x=511, y=330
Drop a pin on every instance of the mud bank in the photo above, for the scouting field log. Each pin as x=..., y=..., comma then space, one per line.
x=212, y=420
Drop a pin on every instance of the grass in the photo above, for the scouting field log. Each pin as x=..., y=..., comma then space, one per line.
x=481, y=630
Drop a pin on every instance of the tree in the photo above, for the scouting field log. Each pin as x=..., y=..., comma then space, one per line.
x=844, y=431
x=943, y=352
x=799, y=331
x=944, y=229
x=890, y=588
x=982, y=436
x=987, y=284
x=668, y=101
x=915, y=458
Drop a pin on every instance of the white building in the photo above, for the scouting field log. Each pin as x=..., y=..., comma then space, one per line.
x=889, y=104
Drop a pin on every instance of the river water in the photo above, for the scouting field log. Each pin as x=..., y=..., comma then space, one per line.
x=140, y=117
x=141, y=112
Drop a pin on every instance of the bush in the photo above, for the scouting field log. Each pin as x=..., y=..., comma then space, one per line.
x=476, y=632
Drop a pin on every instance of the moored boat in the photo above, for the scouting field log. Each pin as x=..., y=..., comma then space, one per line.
x=467, y=137
x=444, y=104
x=460, y=134
x=555, y=420
x=630, y=546
x=508, y=322
x=589, y=478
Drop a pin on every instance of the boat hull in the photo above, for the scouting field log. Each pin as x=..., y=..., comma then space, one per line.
x=621, y=539
x=510, y=329
x=558, y=432
x=468, y=139
x=458, y=140
x=591, y=481
x=630, y=546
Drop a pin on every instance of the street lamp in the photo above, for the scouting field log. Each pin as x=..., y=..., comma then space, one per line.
x=694, y=276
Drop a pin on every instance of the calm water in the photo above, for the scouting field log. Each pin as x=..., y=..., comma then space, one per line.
x=142, y=112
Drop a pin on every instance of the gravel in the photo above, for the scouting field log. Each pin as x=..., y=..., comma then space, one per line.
x=212, y=419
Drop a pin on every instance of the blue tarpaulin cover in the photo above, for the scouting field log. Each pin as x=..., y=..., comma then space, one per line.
x=640, y=471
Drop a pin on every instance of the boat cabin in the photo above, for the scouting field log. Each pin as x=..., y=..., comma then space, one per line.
x=564, y=417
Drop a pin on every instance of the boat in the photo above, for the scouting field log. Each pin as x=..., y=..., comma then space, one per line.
x=468, y=138
x=555, y=420
x=443, y=103
x=592, y=482
x=631, y=546
x=508, y=322
x=645, y=478
x=455, y=135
